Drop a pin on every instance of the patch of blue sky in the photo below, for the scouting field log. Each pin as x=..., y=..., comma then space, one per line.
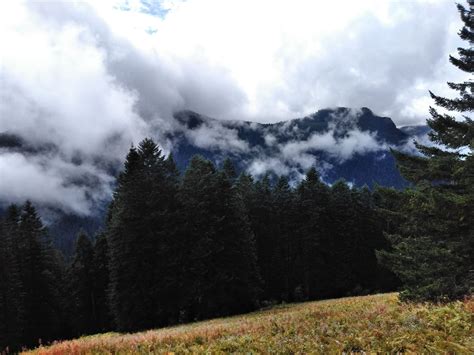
x=150, y=7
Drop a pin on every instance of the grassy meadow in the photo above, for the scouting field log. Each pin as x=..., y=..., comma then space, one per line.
x=376, y=323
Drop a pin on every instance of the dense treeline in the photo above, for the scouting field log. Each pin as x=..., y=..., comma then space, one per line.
x=32, y=279
x=180, y=248
x=210, y=243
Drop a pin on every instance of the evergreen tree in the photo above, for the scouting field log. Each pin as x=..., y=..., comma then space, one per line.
x=340, y=248
x=368, y=235
x=220, y=274
x=286, y=243
x=41, y=276
x=434, y=248
x=196, y=236
x=171, y=171
x=245, y=188
x=11, y=288
x=81, y=287
x=100, y=284
x=237, y=258
x=312, y=213
x=142, y=288
x=229, y=169
x=263, y=222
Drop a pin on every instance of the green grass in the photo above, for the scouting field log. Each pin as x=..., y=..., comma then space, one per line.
x=377, y=323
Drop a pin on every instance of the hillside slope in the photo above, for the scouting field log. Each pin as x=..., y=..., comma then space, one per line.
x=377, y=323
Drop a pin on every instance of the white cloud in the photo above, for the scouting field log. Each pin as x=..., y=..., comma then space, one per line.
x=290, y=58
x=354, y=142
x=56, y=88
x=93, y=76
x=48, y=181
x=265, y=60
x=215, y=136
x=261, y=166
x=270, y=139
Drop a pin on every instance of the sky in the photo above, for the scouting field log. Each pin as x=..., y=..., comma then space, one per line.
x=92, y=77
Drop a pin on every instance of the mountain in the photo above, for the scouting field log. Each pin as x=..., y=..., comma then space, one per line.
x=353, y=144
x=341, y=143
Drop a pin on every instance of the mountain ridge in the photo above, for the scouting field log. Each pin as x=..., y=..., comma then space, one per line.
x=339, y=123
x=352, y=144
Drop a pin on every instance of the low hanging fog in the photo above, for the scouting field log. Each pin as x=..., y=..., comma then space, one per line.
x=81, y=81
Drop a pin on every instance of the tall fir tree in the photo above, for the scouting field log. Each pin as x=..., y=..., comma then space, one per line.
x=245, y=188
x=196, y=238
x=220, y=274
x=340, y=251
x=41, y=273
x=368, y=237
x=229, y=169
x=12, y=310
x=101, y=283
x=262, y=218
x=313, y=208
x=142, y=290
x=434, y=247
x=237, y=257
x=82, y=298
x=286, y=243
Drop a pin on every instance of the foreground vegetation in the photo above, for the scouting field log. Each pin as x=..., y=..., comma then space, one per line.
x=377, y=323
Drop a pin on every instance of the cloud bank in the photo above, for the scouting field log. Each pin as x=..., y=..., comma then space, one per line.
x=89, y=78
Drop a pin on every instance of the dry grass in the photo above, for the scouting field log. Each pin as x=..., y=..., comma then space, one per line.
x=377, y=323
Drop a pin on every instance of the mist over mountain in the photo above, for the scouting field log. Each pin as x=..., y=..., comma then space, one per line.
x=352, y=144
x=83, y=80
x=341, y=143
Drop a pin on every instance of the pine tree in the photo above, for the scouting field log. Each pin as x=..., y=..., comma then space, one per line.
x=312, y=207
x=220, y=273
x=237, y=258
x=245, y=188
x=229, y=169
x=171, y=170
x=340, y=247
x=82, y=297
x=368, y=235
x=286, y=253
x=142, y=288
x=101, y=283
x=262, y=218
x=41, y=276
x=11, y=288
x=434, y=247
x=196, y=237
